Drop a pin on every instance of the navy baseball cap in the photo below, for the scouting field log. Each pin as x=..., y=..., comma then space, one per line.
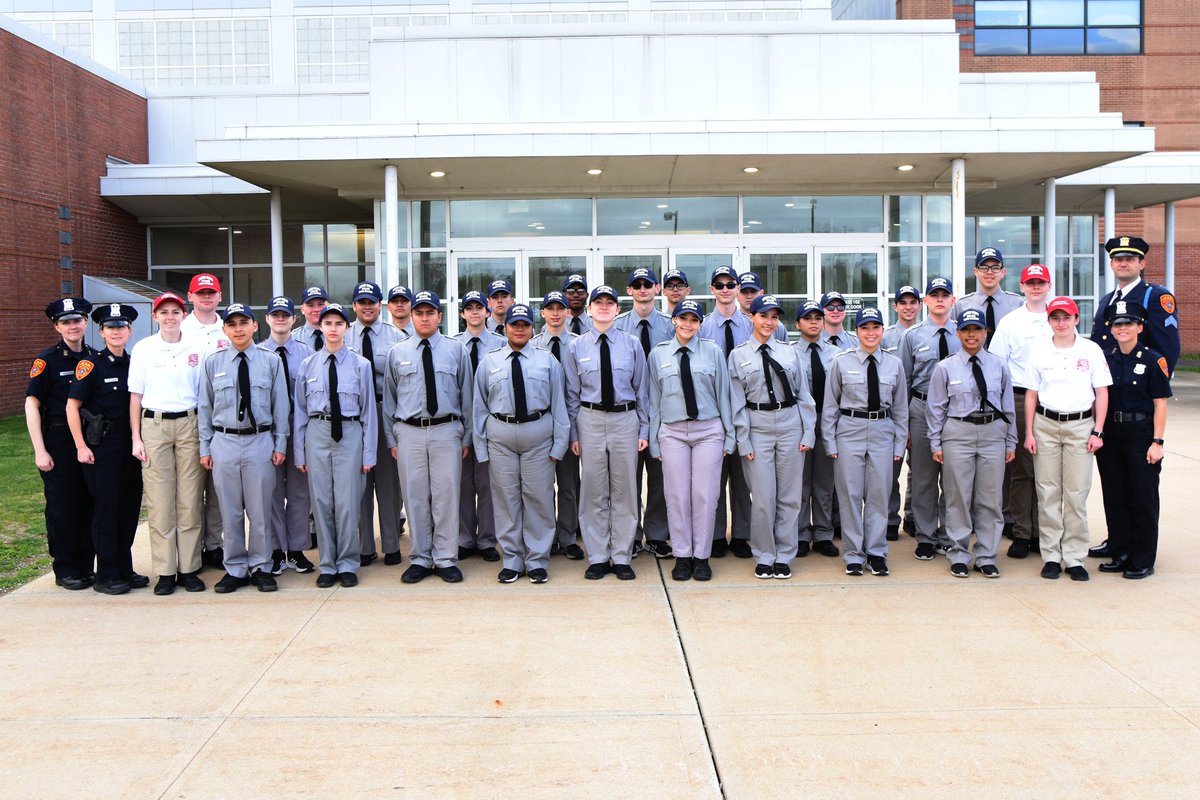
x=764, y=303
x=239, y=310
x=473, y=297
x=282, y=303
x=334, y=308
x=574, y=280
x=867, y=314
x=749, y=280
x=989, y=254
x=688, y=306
x=602, y=291
x=554, y=297
x=830, y=297
x=939, y=284
x=971, y=316
x=642, y=274
x=399, y=291
x=809, y=307
x=499, y=286
x=68, y=308
x=315, y=293
x=719, y=271
x=114, y=315
x=427, y=298
x=676, y=275
x=903, y=290
x=519, y=313
x=368, y=291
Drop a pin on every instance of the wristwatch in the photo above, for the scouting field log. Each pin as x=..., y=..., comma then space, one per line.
x=1158, y=441
x=1098, y=434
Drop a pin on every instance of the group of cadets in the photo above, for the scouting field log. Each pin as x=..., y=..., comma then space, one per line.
x=512, y=445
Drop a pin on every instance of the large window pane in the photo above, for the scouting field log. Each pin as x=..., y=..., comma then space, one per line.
x=1056, y=12
x=314, y=244
x=547, y=273
x=1114, y=12
x=937, y=212
x=175, y=279
x=252, y=245
x=478, y=272
x=617, y=269
x=1001, y=12
x=351, y=243
x=429, y=272
x=488, y=218
x=429, y=223
x=1055, y=41
x=904, y=213
x=251, y=285
x=295, y=281
x=1083, y=275
x=904, y=268
x=938, y=261
x=1008, y=234
x=1083, y=235
x=850, y=273
x=342, y=280
x=781, y=273
x=666, y=215
x=699, y=268
x=1001, y=41
x=186, y=246
x=1114, y=41
x=808, y=214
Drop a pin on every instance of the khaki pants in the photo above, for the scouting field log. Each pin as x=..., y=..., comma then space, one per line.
x=173, y=481
x=1063, y=468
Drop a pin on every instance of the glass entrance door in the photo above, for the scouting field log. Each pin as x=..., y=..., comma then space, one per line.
x=856, y=272
x=617, y=266
x=475, y=271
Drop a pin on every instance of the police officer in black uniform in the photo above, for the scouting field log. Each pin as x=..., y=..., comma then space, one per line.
x=68, y=504
x=98, y=417
x=1131, y=459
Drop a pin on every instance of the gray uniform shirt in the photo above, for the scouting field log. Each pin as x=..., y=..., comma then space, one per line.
x=582, y=366
x=306, y=334
x=354, y=394
x=1004, y=302
x=747, y=384
x=383, y=337
x=846, y=387
x=544, y=391
x=712, y=327
x=219, y=396
x=488, y=341
x=294, y=352
x=404, y=383
x=542, y=340
x=585, y=323
x=953, y=393
x=892, y=337
x=661, y=328
x=664, y=395
x=919, y=351
x=846, y=340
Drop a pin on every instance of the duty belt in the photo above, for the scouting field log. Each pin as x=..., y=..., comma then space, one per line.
x=616, y=409
x=856, y=414
x=243, y=431
x=429, y=422
x=771, y=406
x=1063, y=417
x=151, y=414
x=1129, y=416
x=536, y=415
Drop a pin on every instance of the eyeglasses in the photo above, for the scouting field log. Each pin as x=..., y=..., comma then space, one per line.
x=726, y=286
x=576, y=290
x=642, y=285
x=834, y=307
x=675, y=286
x=991, y=268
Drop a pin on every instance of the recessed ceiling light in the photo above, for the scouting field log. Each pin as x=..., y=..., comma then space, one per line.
x=753, y=222
x=662, y=205
x=905, y=168
x=750, y=169
x=789, y=205
x=594, y=171
x=236, y=231
x=645, y=222
x=222, y=229
x=437, y=173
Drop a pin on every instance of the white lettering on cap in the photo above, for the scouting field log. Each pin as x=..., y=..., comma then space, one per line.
x=68, y=304
x=114, y=309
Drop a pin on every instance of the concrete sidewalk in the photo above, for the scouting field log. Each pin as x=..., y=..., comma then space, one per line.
x=915, y=685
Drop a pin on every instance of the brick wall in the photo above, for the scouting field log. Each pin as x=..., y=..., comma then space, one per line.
x=59, y=123
x=1160, y=88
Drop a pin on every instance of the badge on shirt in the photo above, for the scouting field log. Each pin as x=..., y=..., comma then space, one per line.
x=1139, y=369
x=1083, y=365
x=39, y=366
x=83, y=369
x=1168, y=303
x=193, y=359
x=1162, y=364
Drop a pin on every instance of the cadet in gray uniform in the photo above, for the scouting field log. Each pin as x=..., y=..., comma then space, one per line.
x=574, y=288
x=312, y=303
x=336, y=444
x=775, y=419
x=476, y=516
x=921, y=349
x=749, y=289
x=989, y=299
x=400, y=310
x=289, y=504
x=675, y=288
x=649, y=326
x=691, y=431
x=907, y=306
x=427, y=403
x=973, y=433
x=864, y=425
x=243, y=438
x=521, y=429
x=834, y=306
x=555, y=338
x=500, y=300
x=372, y=338
x=817, y=494
x=606, y=398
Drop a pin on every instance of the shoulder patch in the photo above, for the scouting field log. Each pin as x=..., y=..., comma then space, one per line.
x=39, y=366
x=83, y=369
x=1167, y=301
x=1162, y=364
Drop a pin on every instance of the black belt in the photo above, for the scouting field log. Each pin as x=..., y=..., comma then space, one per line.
x=771, y=406
x=149, y=414
x=979, y=419
x=1019, y=390
x=1129, y=416
x=56, y=423
x=329, y=418
x=429, y=422
x=854, y=412
x=1058, y=416
x=243, y=431
x=617, y=409
x=919, y=395
x=536, y=415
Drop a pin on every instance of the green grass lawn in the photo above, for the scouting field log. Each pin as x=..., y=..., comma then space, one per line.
x=23, y=555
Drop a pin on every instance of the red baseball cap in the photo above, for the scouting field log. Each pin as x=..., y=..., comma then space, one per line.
x=1062, y=304
x=167, y=297
x=204, y=282
x=1035, y=272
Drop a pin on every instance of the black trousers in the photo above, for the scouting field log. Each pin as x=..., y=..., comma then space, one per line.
x=1130, y=491
x=116, y=483
x=68, y=507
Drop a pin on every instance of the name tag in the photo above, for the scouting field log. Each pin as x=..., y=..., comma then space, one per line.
x=747, y=363
x=853, y=372
x=589, y=358
x=111, y=380
x=65, y=374
x=220, y=375
x=497, y=369
x=955, y=383
x=922, y=349
x=405, y=363
x=312, y=380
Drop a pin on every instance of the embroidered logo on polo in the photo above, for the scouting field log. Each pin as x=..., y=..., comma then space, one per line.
x=1083, y=365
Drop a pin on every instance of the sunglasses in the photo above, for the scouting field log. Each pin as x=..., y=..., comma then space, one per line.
x=576, y=291
x=642, y=285
x=835, y=307
x=725, y=286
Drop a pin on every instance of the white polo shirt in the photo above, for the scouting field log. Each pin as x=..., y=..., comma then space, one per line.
x=166, y=374
x=1066, y=378
x=1017, y=333
x=212, y=336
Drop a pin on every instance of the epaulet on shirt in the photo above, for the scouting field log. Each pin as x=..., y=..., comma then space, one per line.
x=665, y=343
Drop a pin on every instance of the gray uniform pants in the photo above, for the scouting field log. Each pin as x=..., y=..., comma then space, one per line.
x=212, y=515
x=692, y=452
x=1022, y=487
x=817, y=496
x=522, y=482
x=894, y=517
x=972, y=478
x=335, y=482
x=776, y=477
x=245, y=481
x=925, y=491
x=476, y=508
x=290, y=506
x=608, y=487
x=566, y=476
x=863, y=473
x=652, y=515
x=384, y=484
x=431, y=464
x=739, y=500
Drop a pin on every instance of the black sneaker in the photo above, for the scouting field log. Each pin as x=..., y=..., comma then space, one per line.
x=893, y=533
x=508, y=575
x=489, y=554
x=1079, y=573
x=910, y=527
x=877, y=565
x=826, y=548
x=660, y=549
x=574, y=552
x=924, y=552
x=135, y=580
x=326, y=580
x=214, y=558
x=264, y=581
x=415, y=574
x=538, y=575
x=347, y=579
x=802, y=549
x=624, y=572
x=190, y=581
x=392, y=559
x=595, y=572
x=1019, y=548
x=719, y=548
x=701, y=570
x=165, y=585
x=449, y=574
x=854, y=569
x=960, y=571
x=740, y=548
x=782, y=571
x=230, y=583
x=764, y=571
x=368, y=559
x=988, y=570
x=299, y=562
x=682, y=570
x=638, y=547
x=1051, y=570
x=278, y=562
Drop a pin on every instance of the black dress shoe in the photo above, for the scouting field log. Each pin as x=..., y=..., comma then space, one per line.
x=595, y=572
x=1138, y=574
x=392, y=559
x=893, y=533
x=230, y=583
x=415, y=574
x=802, y=549
x=826, y=548
x=1100, y=551
x=1008, y=530
x=682, y=570
x=326, y=580
x=368, y=560
x=73, y=582
x=740, y=548
x=190, y=582
x=1078, y=573
x=489, y=554
x=165, y=585
x=136, y=581
x=574, y=552
x=1019, y=548
x=111, y=586
x=214, y=558
x=719, y=548
x=1118, y=564
x=265, y=581
x=466, y=552
x=449, y=574
x=1051, y=570
x=347, y=579
x=701, y=570
x=624, y=572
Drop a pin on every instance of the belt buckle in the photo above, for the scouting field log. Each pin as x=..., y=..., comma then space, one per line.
x=427, y=422
x=874, y=415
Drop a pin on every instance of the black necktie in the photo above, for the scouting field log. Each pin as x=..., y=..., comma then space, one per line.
x=608, y=395
x=474, y=354
x=818, y=374
x=430, y=379
x=989, y=316
x=244, y=389
x=771, y=365
x=318, y=339
x=500, y=329
x=335, y=402
x=728, y=337
x=766, y=359
x=554, y=349
x=872, y=384
x=980, y=382
x=943, y=344
x=281, y=351
x=689, y=386
x=576, y=326
x=520, y=407
x=645, y=326
x=368, y=352
x=833, y=340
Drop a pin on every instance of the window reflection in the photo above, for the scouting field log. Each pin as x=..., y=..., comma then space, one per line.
x=781, y=273
x=809, y=214
x=631, y=216
x=477, y=272
x=547, y=273
x=520, y=218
